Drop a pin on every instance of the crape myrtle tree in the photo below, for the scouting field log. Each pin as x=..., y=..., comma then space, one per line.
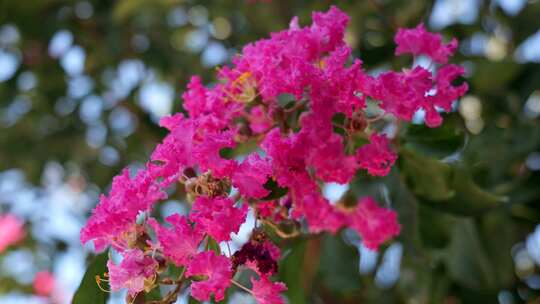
x=322, y=143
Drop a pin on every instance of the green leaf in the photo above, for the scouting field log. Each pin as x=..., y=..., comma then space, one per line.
x=175, y=271
x=275, y=190
x=499, y=243
x=492, y=76
x=428, y=178
x=213, y=246
x=466, y=258
x=446, y=187
x=435, y=227
x=153, y=295
x=338, y=276
x=436, y=142
x=469, y=198
x=88, y=291
x=285, y=100
x=406, y=205
x=290, y=272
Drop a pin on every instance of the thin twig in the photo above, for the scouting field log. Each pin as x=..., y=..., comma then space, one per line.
x=241, y=286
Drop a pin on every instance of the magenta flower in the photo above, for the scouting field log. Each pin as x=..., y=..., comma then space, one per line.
x=215, y=271
x=320, y=215
x=11, y=231
x=418, y=41
x=446, y=93
x=206, y=153
x=251, y=175
x=286, y=62
x=218, y=217
x=306, y=142
x=288, y=157
x=259, y=120
x=267, y=292
x=175, y=152
x=179, y=243
x=377, y=156
x=136, y=272
x=113, y=220
x=375, y=224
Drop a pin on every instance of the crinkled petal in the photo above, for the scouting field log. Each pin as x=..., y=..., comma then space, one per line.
x=267, y=292
x=377, y=157
x=251, y=175
x=179, y=243
x=375, y=224
x=418, y=41
x=218, y=217
x=217, y=271
x=135, y=270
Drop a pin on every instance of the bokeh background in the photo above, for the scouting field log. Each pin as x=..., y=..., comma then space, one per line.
x=84, y=83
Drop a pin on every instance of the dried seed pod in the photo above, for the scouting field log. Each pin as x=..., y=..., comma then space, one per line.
x=207, y=185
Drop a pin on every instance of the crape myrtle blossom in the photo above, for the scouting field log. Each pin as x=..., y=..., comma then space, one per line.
x=216, y=272
x=375, y=224
x=217, y=217
x=267, y=292
x=181, y=242
x=376, y=157
x=418, y=41
x=136, y=272
x=288, y=116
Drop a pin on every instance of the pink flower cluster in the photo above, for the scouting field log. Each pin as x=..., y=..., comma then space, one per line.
x=299, y=100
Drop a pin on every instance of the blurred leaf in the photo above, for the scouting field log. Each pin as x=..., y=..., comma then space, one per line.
x=499, y=243
x=286, y=100
x=275, y=190
x=213, y=246
x=447, y=187
x=428, y=178
x=466, y=257
x=469, y=198
x=339, y=277
x=435, y=227
x=435, y=142
x=153, y=295
x=290, y=272
x=88, y=291
x=493, y=76
x=175, y=271
x=128, y=8
x=406, y=205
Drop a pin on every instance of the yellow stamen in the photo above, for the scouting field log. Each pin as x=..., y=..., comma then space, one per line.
x=98, y=282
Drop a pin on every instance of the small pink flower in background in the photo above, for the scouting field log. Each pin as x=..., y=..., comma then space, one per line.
x=376, y=157
x=418, y=41
x=44, y=283
x=217, y=217
x=11, y=231
x=134, y=272
x=216, y=272
x=267, y=292
x=375, y=224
